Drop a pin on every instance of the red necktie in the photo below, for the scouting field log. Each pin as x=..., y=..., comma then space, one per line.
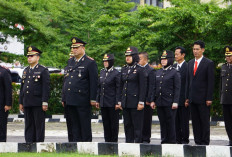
x=195, y=68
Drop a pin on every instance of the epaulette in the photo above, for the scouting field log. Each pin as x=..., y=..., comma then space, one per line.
x=90, y=58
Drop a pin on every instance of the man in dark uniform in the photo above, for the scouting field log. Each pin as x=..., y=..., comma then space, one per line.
x=67, y=115
x=108, y=96
x=226, y=91
x=5, y=101
x=166, y=96
x=199, y=93
x=79, y=91
x=133, y=87
x=34, y=95
x=183, y=113
x=148, y=111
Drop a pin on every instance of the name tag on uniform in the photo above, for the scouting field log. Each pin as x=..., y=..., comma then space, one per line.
x=37, y=72
x=157, y=76
x=81, y=67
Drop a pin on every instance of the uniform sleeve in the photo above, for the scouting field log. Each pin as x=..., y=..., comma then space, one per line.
x=210, y=81
x=177, y=86
x=93, y=80
x=151, y=83
x=187, y=84
x=118, y=87
x=98, y=90
x=62, y=92
x=8, y=88
x=153, y=88
x=142, y=87
x=21, y=92
x=45, y=85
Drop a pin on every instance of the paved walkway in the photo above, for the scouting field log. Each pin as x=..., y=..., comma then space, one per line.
x=56, y=132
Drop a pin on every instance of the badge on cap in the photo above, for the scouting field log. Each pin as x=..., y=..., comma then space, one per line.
x=227, y=49
x=29, y=48
x=128, y=49
x=164, y=53
x=74, y=40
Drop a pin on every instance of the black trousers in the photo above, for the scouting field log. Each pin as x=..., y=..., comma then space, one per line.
x=68, y=123
x=110, y=118
x=81, y=123
x=182, y=125
x=3, y=124
x=201, y=123
x=147, y=123
x=167, y=124
x=133, y=125
x=227, y=112
x=34, y=124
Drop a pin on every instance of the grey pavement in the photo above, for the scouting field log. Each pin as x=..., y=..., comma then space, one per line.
x=57, y=132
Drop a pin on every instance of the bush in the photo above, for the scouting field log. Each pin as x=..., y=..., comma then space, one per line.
x=54, y=103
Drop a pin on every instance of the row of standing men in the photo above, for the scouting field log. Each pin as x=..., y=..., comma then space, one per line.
x=174, y=90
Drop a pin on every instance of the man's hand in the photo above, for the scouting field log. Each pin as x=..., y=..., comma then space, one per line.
x=153, y=106
x=21, y=107
x=186, y=104
x=44, y=107
x=140, y=107
x=208, y=103
x=7, y=108
x=97, y=105
x=93, y=103
x=174, y=106
x=118, y=107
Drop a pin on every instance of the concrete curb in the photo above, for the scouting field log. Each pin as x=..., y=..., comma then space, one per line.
x=120, y=149
x=62, y=119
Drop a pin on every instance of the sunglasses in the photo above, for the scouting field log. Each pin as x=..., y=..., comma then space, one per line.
x=31, y=56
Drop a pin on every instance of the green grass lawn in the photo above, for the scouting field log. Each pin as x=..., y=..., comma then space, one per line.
x=49, y=155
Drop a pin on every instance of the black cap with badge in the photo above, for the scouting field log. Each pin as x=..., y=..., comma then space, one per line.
x=76, y=42
x=32, y=50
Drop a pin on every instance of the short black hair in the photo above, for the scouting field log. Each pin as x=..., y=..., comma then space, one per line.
x=199, y=42
x=145, y=54
x=182, y=50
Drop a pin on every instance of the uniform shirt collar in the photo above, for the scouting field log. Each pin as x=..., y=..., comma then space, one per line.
x=167, y=67
x=144, y=65
x=33, y=66
x=78, y=59
x=111, y=69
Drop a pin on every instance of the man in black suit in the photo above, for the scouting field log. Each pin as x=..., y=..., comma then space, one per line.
x=182, y=115
x=147, y=119
x=199, y=93
x=34, y=95
x=80, y=90
x=5, y=101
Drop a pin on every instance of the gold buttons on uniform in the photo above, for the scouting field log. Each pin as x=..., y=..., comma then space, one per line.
x=28, y=81
x=29, y=76
x=27, y=86
x=71, y=76
x=69, y=82
x=160, y=93
x=226, y=84
x=27, y=92
x=125, y=94
x=69, y=89
x=160, y=81
x=226, y=90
